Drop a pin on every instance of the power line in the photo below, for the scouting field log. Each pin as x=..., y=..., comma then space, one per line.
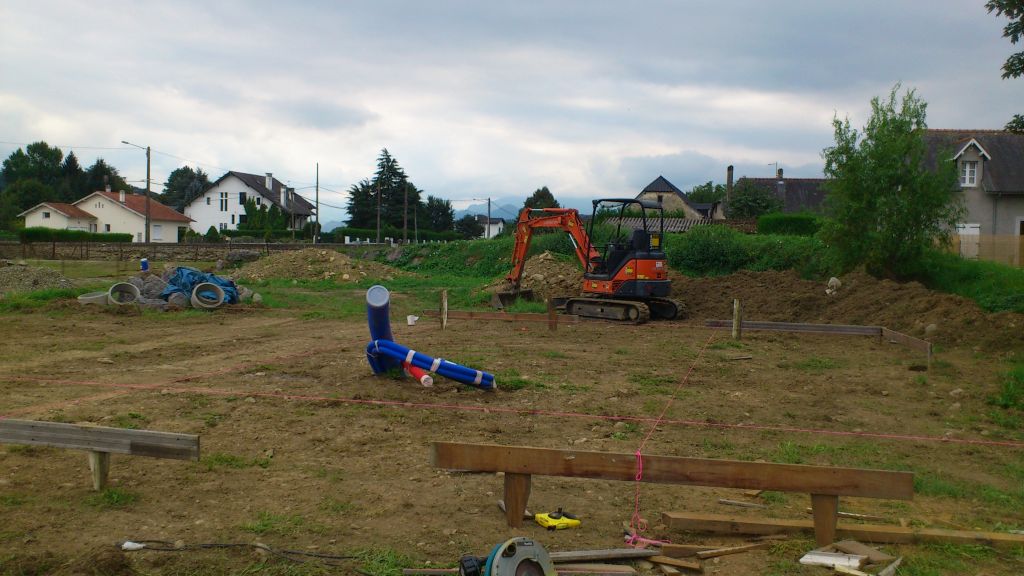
x=69, y=146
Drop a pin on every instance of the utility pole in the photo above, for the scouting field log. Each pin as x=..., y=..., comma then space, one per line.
x=416, y=224
x=147, y=149
x=316, y=228
x=487, y=230
x=405, y=212
x=378, y=210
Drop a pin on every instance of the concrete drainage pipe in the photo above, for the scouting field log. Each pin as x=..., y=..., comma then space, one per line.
x=122, y=294
x=201, y=296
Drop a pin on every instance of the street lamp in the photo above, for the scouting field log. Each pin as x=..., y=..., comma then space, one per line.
x=147, y=183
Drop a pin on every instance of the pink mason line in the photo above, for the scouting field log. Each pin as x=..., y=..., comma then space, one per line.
x=523, y=412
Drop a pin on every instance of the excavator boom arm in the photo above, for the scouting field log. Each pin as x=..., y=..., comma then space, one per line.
x=566, y=219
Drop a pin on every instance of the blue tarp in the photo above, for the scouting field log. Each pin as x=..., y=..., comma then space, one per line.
x=185, y=279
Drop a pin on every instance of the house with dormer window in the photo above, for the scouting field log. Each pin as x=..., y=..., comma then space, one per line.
x=991, y=168
x=223, y=205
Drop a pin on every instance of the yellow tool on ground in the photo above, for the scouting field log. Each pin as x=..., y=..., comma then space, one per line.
x=559, y=520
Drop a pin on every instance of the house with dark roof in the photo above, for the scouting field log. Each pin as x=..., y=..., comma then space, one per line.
x=492, y=228
x=223, y=205
x=107, y=211
x=674, y=200
x=796, y=194
x=991, y=168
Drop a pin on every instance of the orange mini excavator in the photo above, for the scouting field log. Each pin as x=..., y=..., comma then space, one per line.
x=625, y=280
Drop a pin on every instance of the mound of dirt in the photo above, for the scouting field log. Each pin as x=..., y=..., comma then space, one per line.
x=20, y=278
x=313, y=264
x=548, y=276
x=862, y=299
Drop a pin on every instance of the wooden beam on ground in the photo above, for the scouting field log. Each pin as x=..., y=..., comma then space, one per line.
x=684, y=550
x=676, y=563
x=720, y=524
x=842, y=329
x=100, y=439
x=593, y=555
x=674, y=470
x=503, y=316
x=731, y=550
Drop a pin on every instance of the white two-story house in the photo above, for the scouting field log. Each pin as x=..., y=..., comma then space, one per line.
x=223, y=205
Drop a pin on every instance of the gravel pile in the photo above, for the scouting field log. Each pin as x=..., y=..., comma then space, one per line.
x=20, y=278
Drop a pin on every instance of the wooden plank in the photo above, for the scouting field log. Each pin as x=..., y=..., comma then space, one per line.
x=102, y=439
x=740, y=503
x=595, y=569
x=720, y=524
x=824, y=507
x=517, y=493
x=890, y=570
x=847, y=329
x=684, y=550
x=676, y=563
x=503, y=316
x=731, y=550
x=609, y=554
x=99, y=465
x=675, y=470
x=667, y=570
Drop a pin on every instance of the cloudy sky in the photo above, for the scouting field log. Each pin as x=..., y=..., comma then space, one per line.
x=477, y=99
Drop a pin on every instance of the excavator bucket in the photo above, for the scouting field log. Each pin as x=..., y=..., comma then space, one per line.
x=505, y=298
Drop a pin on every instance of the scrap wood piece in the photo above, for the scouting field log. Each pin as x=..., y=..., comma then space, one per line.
x=890, y=570
x=731, y=550
x=849, y=571
x=854, y=516
x=667, y=570
x=675, y=563
x=684, y=550
x=609, y=554
x=721, y=524
x=740, y=503
x=752, y=493
x=833, y=559
x=874, y=555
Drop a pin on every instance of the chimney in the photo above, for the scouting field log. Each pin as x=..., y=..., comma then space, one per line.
x=120, y=196
x=270, y=181
x=779, y=174
x=728, y=184
x=106, y=183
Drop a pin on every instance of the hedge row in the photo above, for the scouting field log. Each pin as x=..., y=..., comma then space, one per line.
x=41, y=234
x=789, y=224
x=716, y=250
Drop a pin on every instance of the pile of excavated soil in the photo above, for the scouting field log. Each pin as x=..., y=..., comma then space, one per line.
x=313, y=264
x=862, y=299
x=549, y=276
x=19, y=278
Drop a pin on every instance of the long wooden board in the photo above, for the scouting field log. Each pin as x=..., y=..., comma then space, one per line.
x=504, y=316
x=100, y=439
x=720, y=524
x=675, y=470
x=800, y=327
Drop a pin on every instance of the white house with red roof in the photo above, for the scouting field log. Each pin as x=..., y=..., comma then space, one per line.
x=107, y=211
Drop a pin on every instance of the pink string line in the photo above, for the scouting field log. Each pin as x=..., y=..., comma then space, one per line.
x=637, y=522
x=519, y=411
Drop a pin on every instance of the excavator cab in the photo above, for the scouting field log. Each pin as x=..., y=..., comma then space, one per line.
x=629, y=238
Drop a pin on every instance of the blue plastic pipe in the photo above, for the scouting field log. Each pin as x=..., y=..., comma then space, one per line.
x=384, y=353
x=378, y=316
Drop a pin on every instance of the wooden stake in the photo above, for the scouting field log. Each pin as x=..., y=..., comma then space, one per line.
x=552, y=320
x=517, y=493
x=825, y=508
x=444, y=309
x=737, y=320
x=99, y=464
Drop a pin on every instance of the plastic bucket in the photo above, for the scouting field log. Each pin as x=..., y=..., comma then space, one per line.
x=93, y=298
x=201, y=300
x=122, y=294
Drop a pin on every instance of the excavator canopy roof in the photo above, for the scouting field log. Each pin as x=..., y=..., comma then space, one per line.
x=643, y=203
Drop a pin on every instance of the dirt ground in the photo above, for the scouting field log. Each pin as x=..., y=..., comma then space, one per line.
x=303, y=448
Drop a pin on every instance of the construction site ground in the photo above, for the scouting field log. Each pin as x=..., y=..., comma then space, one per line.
x=304, y=449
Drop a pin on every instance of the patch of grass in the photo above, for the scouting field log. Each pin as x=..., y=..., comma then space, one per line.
x=512, y=380
x=574, y=387
x=728, y=344
x=222, y=460
x=995, y=287
x=12, y=500
x=131, y=420
x=921, y=380
x=336, y=506
x=653, y=383
x=771, y=497
x=942, y=559
x=383, y=561
x=814, y=364
x=112, y=498
x=25, y=450
x=1011, y=389
x=555, y=354
x=276, y=524
x=28, y=301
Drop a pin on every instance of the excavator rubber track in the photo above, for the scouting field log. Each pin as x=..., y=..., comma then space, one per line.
x=666, y=308
x=630, y=311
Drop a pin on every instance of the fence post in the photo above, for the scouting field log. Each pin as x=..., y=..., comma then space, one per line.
x=737, y=320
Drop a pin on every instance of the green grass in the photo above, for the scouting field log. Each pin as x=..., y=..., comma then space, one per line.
x=653, y=383
x=383, y=561
x=276, y=524
x=814, y=364
x=28, y=301
x=511, y=379
x=112, y=498
x=336, y=506
x=12, y=500
x=995, y=287
x=131, y=420
x=1011, y=389
x=222, y=460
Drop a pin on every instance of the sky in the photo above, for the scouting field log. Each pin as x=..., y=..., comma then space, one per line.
x=484, y=99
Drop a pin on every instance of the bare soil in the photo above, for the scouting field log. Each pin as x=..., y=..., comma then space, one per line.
x=303, y=448
x=314, y=264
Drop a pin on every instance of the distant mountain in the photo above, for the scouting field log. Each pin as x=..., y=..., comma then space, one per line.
x=331, y=225
x=509, y=211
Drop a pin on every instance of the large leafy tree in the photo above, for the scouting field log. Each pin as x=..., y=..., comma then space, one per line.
x=541, y=198
x=1014, y=30
x=20, y=196
x=101, y=174
x=439, y=214
x=399, y=198
x=362, y=208
x=38, y=161
x=469, y=227
x=72, y=184
x=706, y=193
x=750, y=200
x=888, y=204
x=183, y=185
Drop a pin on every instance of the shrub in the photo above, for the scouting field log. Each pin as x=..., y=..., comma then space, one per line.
x=789, y=224
x=41, y=234
x=212, y=235
x=705, y=250
x=995, y=287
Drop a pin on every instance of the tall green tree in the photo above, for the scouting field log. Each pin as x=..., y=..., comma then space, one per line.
x=184, y=184
x=439, y=214
x=888, y=206
x=18, y=197
x=400, y=199
x=469, y=227
x=750, y=200
x=72, y=184
x=541, y=198
x=94, y=177
x=362, y=206
x=706, y=193
x=1014, y=30
x=38, y=161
